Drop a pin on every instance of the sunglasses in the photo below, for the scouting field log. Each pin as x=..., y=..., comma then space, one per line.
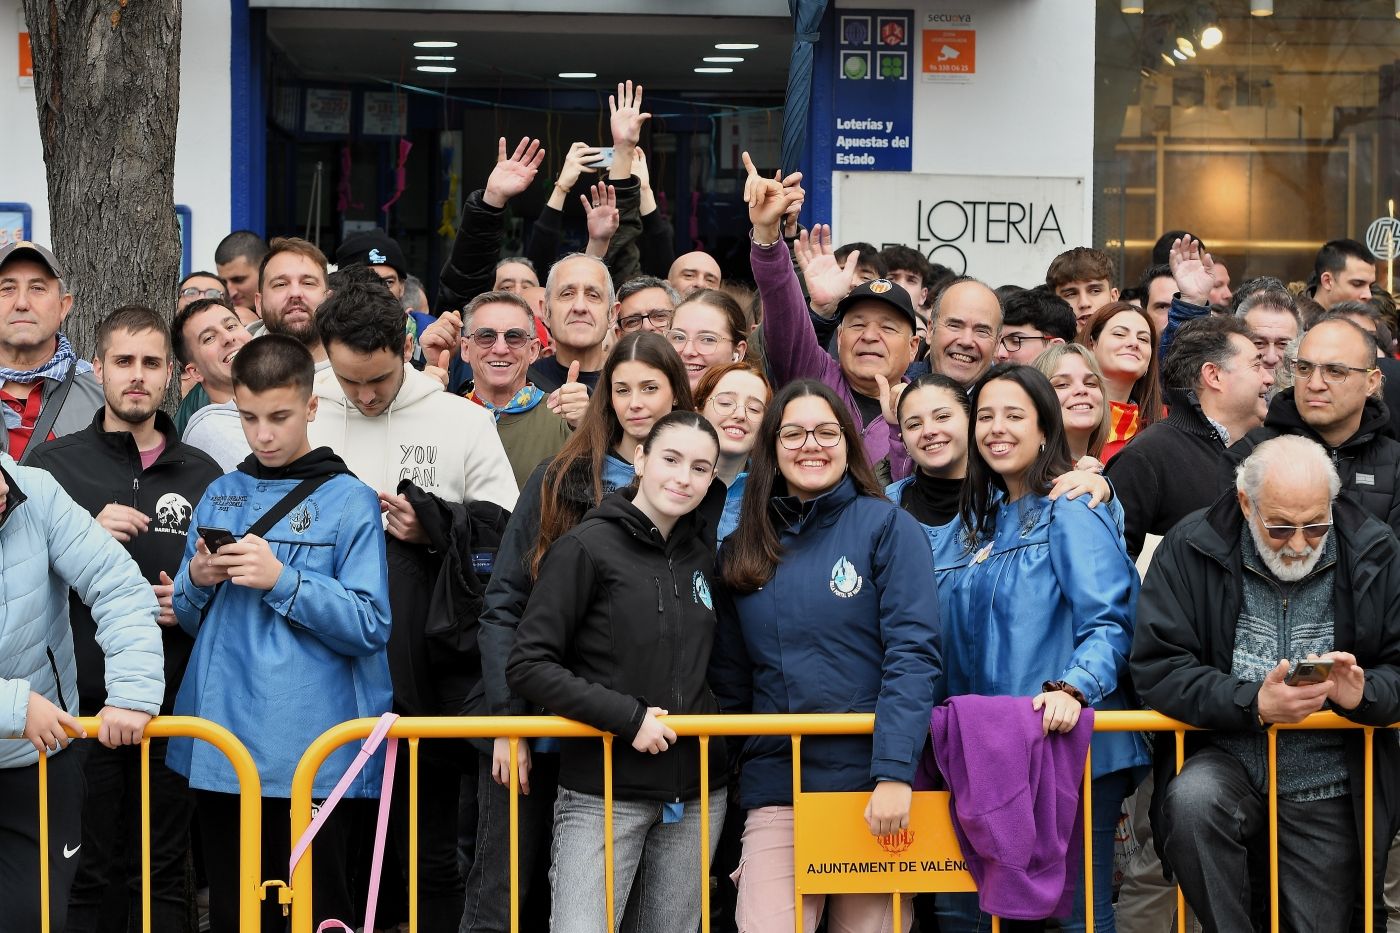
x=1312, y=532
x=486, y=337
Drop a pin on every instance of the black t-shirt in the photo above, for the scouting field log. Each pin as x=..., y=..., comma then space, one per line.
x=868, y=407
x=547, y=375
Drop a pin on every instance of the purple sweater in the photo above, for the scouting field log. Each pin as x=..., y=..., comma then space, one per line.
x=1016, y=801
x=793, y=352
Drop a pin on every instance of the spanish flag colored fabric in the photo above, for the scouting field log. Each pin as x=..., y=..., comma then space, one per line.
x=1122, y=427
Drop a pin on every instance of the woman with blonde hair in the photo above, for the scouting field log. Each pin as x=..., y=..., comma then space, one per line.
x=1078, y=381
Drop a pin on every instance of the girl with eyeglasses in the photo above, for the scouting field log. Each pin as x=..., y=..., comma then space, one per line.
x=734, y=396
x=1043, y=608
x=617, y=635
x=825, y=608
x=641, y=382
x=707, y=329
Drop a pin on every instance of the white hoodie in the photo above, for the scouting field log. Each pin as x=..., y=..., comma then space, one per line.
x=445, y=444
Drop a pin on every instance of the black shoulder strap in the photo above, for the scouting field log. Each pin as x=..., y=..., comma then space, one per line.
x=299, y=494
x=49, y=413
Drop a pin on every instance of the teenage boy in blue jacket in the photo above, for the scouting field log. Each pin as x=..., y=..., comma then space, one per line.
x=290, y=628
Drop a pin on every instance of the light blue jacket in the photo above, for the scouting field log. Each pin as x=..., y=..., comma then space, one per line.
x=48, y=544
x=279, y=667
x=1050, y=597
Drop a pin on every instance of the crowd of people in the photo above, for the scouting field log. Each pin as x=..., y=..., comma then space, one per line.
x=635, y=490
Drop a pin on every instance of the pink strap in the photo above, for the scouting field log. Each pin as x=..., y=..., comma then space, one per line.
x=386, y=794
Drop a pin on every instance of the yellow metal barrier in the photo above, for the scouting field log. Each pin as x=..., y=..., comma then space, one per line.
x=515, y=728
x=249, y=820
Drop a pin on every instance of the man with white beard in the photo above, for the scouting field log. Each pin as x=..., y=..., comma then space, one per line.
x=1241, y=597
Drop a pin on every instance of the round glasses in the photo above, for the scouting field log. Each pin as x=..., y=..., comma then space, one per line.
x=659, y=317
x=486, y=337
x=193, y=292
x=793, y=437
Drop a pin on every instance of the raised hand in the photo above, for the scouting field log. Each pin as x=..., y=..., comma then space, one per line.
x=827, y=280
x=443, y=334
x=577, y=162
x=441, y=371
x=600, y=207
x=796, y=199
x=626, y=116
x=513, y=175
x=1193, y=270
x=768, y=200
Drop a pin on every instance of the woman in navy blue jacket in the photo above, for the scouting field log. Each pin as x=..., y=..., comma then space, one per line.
x=1043, y=608
x=827, y=607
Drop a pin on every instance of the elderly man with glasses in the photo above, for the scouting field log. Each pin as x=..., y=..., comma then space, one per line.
x=1335, y=401
x=1274, y=603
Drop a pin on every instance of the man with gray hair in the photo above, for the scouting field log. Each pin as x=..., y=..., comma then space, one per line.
x=646, y=303
x=1273, y=604
x=47, y=390
x=1270, y=312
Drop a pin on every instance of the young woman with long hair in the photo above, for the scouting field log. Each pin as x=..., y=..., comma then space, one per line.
x=622, y=610
x=1124, y=341
x=734, y=396
x=825, y=608
x=708, y=329
x=1044, y=607
x=641, y=381
x=1075, y=375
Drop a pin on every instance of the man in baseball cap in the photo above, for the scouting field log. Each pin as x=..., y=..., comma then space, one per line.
x=47, y=391
x=379, y=251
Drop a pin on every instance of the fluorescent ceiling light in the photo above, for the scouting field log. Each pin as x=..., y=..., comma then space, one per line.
x=434, y=44
x=736, y=46
x=714, y=71
x=578, y=74
x=722, y=59
x=434, y=58
x=438, y=69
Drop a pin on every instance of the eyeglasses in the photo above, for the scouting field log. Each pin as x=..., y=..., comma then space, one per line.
x=1332, y=373
x=659, y=317
x=793, y=437
x=485, y=337
x=1314, y=532
x=724, y=404
x=703, y=342
x=192, y=292
x=1011, y=343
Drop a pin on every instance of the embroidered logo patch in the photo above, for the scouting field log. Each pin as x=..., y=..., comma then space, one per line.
x=302, y=517
x=880, y=286
x=173, y=514
x=376, y=258
x=701, y=590
x=845, y=582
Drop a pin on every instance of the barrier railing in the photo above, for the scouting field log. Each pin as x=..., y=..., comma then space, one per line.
x=706, y=727
x=249, y=817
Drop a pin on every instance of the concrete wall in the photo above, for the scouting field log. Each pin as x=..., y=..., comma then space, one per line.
x=202, y=142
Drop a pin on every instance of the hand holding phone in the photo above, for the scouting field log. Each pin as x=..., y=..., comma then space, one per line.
x=215, y=538
x=1309, y=672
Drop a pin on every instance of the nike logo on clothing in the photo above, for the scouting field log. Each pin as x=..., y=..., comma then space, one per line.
x=69, y=853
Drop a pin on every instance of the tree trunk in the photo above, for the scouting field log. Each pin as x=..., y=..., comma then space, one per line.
x=107, y=85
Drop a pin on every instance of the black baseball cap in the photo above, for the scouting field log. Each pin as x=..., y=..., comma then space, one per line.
x=24, y=249
x=371, y=248
x=880, y=290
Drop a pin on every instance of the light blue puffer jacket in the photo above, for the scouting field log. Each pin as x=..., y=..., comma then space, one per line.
x=47, y=545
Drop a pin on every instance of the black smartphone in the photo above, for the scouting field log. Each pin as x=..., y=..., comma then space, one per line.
x=215, y=538
x=1306, y=673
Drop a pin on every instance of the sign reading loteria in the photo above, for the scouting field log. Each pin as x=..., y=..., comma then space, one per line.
x=835, y=854
x=999, y=228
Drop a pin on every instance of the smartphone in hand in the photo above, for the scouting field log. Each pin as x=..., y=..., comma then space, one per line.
x=1307, y=673
x=215, y=538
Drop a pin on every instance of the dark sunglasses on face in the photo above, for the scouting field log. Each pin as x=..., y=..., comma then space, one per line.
x=485, y=337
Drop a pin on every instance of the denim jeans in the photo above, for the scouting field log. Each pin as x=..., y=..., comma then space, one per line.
x=1215, y=819
x=661, y=861
x=958, y=913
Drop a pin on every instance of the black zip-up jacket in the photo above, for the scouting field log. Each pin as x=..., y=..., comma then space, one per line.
x=1184, y=643
x=98, y=467
x=1167, y=471
x=1368, y=462
x=622, y=619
